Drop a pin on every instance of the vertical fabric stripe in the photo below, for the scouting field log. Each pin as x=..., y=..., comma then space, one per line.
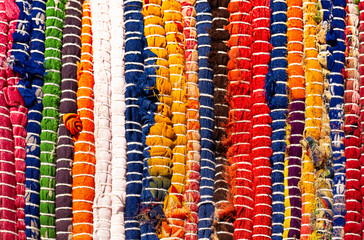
x=361, y=105
x=35, y=67
x=102, y=90
x=49, y=124
x=83, y=168
x=206, y=204
x=118, y=107
x=134, y=68
x=71, y=51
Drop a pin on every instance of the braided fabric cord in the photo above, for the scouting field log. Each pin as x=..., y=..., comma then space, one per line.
x=102, y=90
x=336, y=81
x=353, y=196
x=296, y=121
x=361, y=104
x=205, y=74
x=117, y=55
x=173, y=227
x=71, y=52
x=8, y=12
x=83, y=168
x=134, y=67
x=239, y=137
x=49, y=124
x=192, y=194
x=324, y=171
x=33, y=128
x=314, y=90
x=18, y=51
x=277, y=98
x=218, y=59
x=156, y=110
x=261, y=122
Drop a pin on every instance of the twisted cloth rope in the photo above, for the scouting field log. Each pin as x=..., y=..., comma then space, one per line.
x=296, y=121
x=8, y=12
x=218, y=59
x=353, y=196
x=71, y=53
x=35, y=67
x=51, y=99
x=361, y=105
x=83, y=168
x=336, y=39
x=239, y=136
x=277, y=98
x=134, y=67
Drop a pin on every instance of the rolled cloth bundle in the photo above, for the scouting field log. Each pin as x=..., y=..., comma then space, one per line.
x=83, y=168
x=277, y=98
x=134, y=67
x=49, y=124
x=102, y=90
x=296, y=121
x=8, y=12
x=361, y=105
x=71, y=52
x=239, y=136
x=192, y=194
x=173, y=226
x=336, y=39
x=18, y=54
x=218, y=59
x=35, y=69
x=353, y=197
x=118, y=107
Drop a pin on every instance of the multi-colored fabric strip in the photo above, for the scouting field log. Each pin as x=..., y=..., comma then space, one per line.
x=192, y=185
x=218, y=59
x=51, y=99
x=239, y=138
x=361, y=105
x=277, y=98
x=134, y=68
x=336, y=39
x=173, y=226
x=156, y=110
x=353, y=197
x=118, y=85
x=296, y=121
x=261, y=122
x=71, y=52
x=102, y=90
x=83, y=168
x=205, y=74
x=35, y=69
x=8, y=12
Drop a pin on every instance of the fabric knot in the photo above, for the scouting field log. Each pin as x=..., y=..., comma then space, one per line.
x=72, y=123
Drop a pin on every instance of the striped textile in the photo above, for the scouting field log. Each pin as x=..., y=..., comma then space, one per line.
x=118, y=106
x=49, y=124
x=192, y=194
x=18, y=52
x=240, y=77
x=206, y=204
x=102, y=90
x=296, y=121
x=218, y=59
x=173, y=226
x=35, y=68
x=134, y=67
x=353, y=197
x=361, y=105
x=277, y=98
x=8, y=13
x=83, y=168
x=313, y=114
x=336, y=39
x=71, y=51
x=261, y=120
